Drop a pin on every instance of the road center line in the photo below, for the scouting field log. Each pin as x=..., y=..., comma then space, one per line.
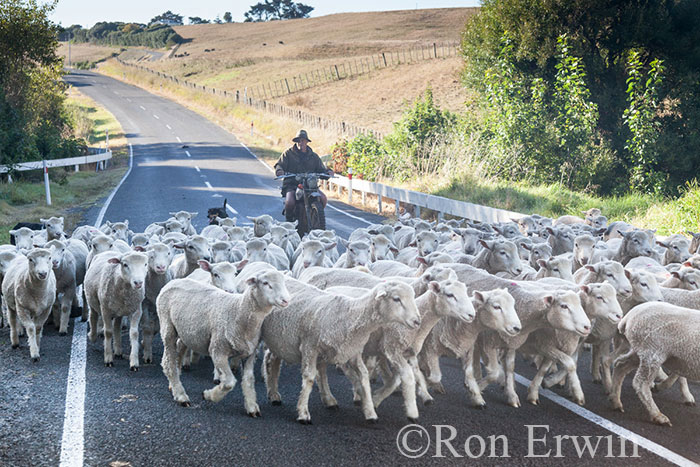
x=168, y=126
x=156, y=117
x=197, y=168
x=228, y=206
x=178, y=139
x=209, y=185
x=142, y=107
x=641, y=441
x=188, y=154
x=128, y=100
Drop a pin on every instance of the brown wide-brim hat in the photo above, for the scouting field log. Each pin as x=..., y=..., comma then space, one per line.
x=301, y=135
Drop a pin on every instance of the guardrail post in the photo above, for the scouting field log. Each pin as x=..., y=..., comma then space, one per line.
x=46, y=184
x=416, y=212
x=77, y=168
x=9, y=178
x=398, y=208
x=379, y=204
x=349, y=185
x=364, y=198
x=440, y=216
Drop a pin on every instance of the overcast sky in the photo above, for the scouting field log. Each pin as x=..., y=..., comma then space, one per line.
x=88, y=12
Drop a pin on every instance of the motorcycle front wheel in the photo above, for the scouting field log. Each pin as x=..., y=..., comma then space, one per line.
x=317, y=216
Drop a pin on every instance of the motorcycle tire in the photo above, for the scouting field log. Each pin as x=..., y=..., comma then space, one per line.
x=318, y=216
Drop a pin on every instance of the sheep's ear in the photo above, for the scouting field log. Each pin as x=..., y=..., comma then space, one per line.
x=192, y=214
x=628, y=273
x=485, y=244
x=344, y=242
x=548, y=300
x=172, y=213
x=526, y=246
x=585, y=289
x=479, y=297
x=251, y=218
x=204, y=265
x=434, y=286
x=114, y=261
x=517, y=221
x=330, y=246
x=686, y=264
x=397, y=228
x=676, y=274
x=380, y=294
x=394, y=250
x=690, y=232
x=590, y=267
x=180, y=246
x=43, y=221
x=542, y=263
x=412, y=244
x=240, y=265
x=550, y=230
x=126, y=222
x=267, y=237
x=14, y=232
x=130, y=232
x=252, y=281
x=139, y=249
x=663, y=244
x=422, y=260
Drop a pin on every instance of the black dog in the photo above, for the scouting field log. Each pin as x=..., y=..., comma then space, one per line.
x=214, y=213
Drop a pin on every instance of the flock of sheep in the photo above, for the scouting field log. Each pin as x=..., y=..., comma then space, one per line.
x=400, y=297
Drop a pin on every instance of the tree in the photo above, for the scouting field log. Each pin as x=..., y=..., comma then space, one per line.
x=271, y=10
x=227, y=17
x=198, y=20
x=168, y=17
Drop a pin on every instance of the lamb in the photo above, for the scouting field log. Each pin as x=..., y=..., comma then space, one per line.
x=114, y=287
x=220, y=275
x=24, y=238
x=527, y=225
x=29, y=292
x=259, y=249
x=6, y=258
x=677, y=250
x=141, y=239
x=684, y=278
x=159, y=258
x=597, y=222
x=382, y=248
x=118, y=230
x=64, y=268
x=561, y=239
x=609, y=271
x=495, y=310
x=282, y=238
x=318, y=329
x=557, y=266
x=313, y=254
x=226, y=325
x=262, y=224
x=54, y=228
x=397, y=346
x=85, y=233
x=357, y=254
x=195, y=248
x=539, y=251
x=185, y=218
x=508, y=230
x=583, y=250
x=425, y=243
x=498, y=256
x=658, y=334
x=222, y=251
x=616, y=229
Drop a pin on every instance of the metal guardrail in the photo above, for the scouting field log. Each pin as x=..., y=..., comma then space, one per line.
x=35, y=165
x=422, y=200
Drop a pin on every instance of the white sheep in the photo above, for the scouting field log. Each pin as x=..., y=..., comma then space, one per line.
x=117, y=230
x=225, y=325
x=159, y=258
x=64, y=267
x=24, y=238
x=319, y=328
x=195, y=248
x=262, y=224
x=259, y=249
x=29, y=292
x=185, y=218
x=313, y=254
x=114, y=286
x=357, y=254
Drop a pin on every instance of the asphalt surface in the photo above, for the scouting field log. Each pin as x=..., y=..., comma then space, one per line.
x=131, y=417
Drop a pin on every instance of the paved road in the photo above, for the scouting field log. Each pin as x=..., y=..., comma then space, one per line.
x=130, y=417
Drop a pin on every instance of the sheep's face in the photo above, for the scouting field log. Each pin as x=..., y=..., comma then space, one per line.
x=564, y=311
x=174, y=226
x=256, y=250
x=396, y=302
x=58, y=250
x=100, y=244
x=438, y=273
x=601, y=302
x=645, y=288
x=280, y=236
x=636, y=243
x=453, y=300
x=583, y=248
x=270, y=288
x=504, y=256
x=677, y=250
x=358, y=253
x=313, y=253
x=54, y=227
x=6, y=258
x=119, y=231
x=184, y=218
x=40, y=263
x=195, y=248
x=227, y=222
x=236, y=234
x=381, y=248
x=421, y=226
x=133, y=268
x=141, y=240
x=561, y=239
x=557, y=267
x=221, y=251
x=496, y=310
x=427, y=242
x=527, y=225
x=597, y=222
x=539, y=251
x=613, y=273
x=387, y=231
x=24, y=238
x=509, y=230
x=159, y=257
x=689, y=278
x=223, y=275
x=470, y=240
x=262, y=225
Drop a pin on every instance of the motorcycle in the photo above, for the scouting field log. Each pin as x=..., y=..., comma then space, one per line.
x=309, y=213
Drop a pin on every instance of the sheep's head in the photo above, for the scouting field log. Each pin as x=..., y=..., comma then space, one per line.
x=159, y=257
x=100, y=243
x=645, y=288
x=613, y=273
x=636, y=243
x=195, y=247
x=133, y=268
x=358, y=253
x=58, y=250
x=583, y=248
x=503, y=256
x=262, y=224
x=54, y=227
x=313, y=253
x=601, y=301
x=270, y=288
x=427, y=242
x=496, y=310
x=381, y=248
x=223, y=275
x=564, y=311
x=40, y=263
x=453, y=300
x=221, y=251
x=396, y=302
x=24, y=238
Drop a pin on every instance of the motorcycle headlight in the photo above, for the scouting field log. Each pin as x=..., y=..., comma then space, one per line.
x=313, y=183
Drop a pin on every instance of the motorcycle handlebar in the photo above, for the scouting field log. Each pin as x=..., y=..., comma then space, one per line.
x=289, y=175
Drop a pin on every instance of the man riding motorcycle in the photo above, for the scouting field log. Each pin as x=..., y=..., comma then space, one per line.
x=300, y=158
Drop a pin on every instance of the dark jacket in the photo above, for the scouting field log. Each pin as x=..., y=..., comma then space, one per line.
x=294, y=161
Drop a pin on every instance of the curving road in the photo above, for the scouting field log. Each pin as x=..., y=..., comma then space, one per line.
x=131, y=418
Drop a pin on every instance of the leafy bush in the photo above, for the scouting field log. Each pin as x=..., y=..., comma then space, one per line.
x=367, y=156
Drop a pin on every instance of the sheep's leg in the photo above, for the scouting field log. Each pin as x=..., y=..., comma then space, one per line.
x=408, y=388
x=170, y=364
x=432, y=362
x=665, y=384
x=86, y=308
x=494, y=370
x=248, y=386
x=12, y=318
x=606, y=366
x=308, y=376
x=181, y=350
x=134, y=321
x=56, y=312
x=117, y=337
x=148, y=328
x=186, y=360
x=391, y=381
x=93, y=314
x=643, y=379
x=623, y=365
x=421, y=384
x=355, y=381
x=31, y=337
x=108, y=322
x=470, y=381
x=271, y=364
x=509, y=363
x=228, y=381
x=596, y=361
x=533, y=392
x=569, y=365
x=367, y=405
x=688, y=398
x=325, y=390
x=66, y=303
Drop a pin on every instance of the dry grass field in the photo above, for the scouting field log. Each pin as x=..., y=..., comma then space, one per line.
x=86, y=52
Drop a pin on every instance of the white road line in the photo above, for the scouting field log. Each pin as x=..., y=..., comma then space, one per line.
x=72, y=443
x=233, y=211
x=115, y=92
x=209, y=185
x=128, y=100
x=641, y=441
x=197, y=168
x=178, y=139
x=73, y=440
x=188, y=154
x=142, y=107
x=156, y=117
x=168, y=126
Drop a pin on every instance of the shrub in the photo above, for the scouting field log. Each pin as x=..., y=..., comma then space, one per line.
x=367, y=156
